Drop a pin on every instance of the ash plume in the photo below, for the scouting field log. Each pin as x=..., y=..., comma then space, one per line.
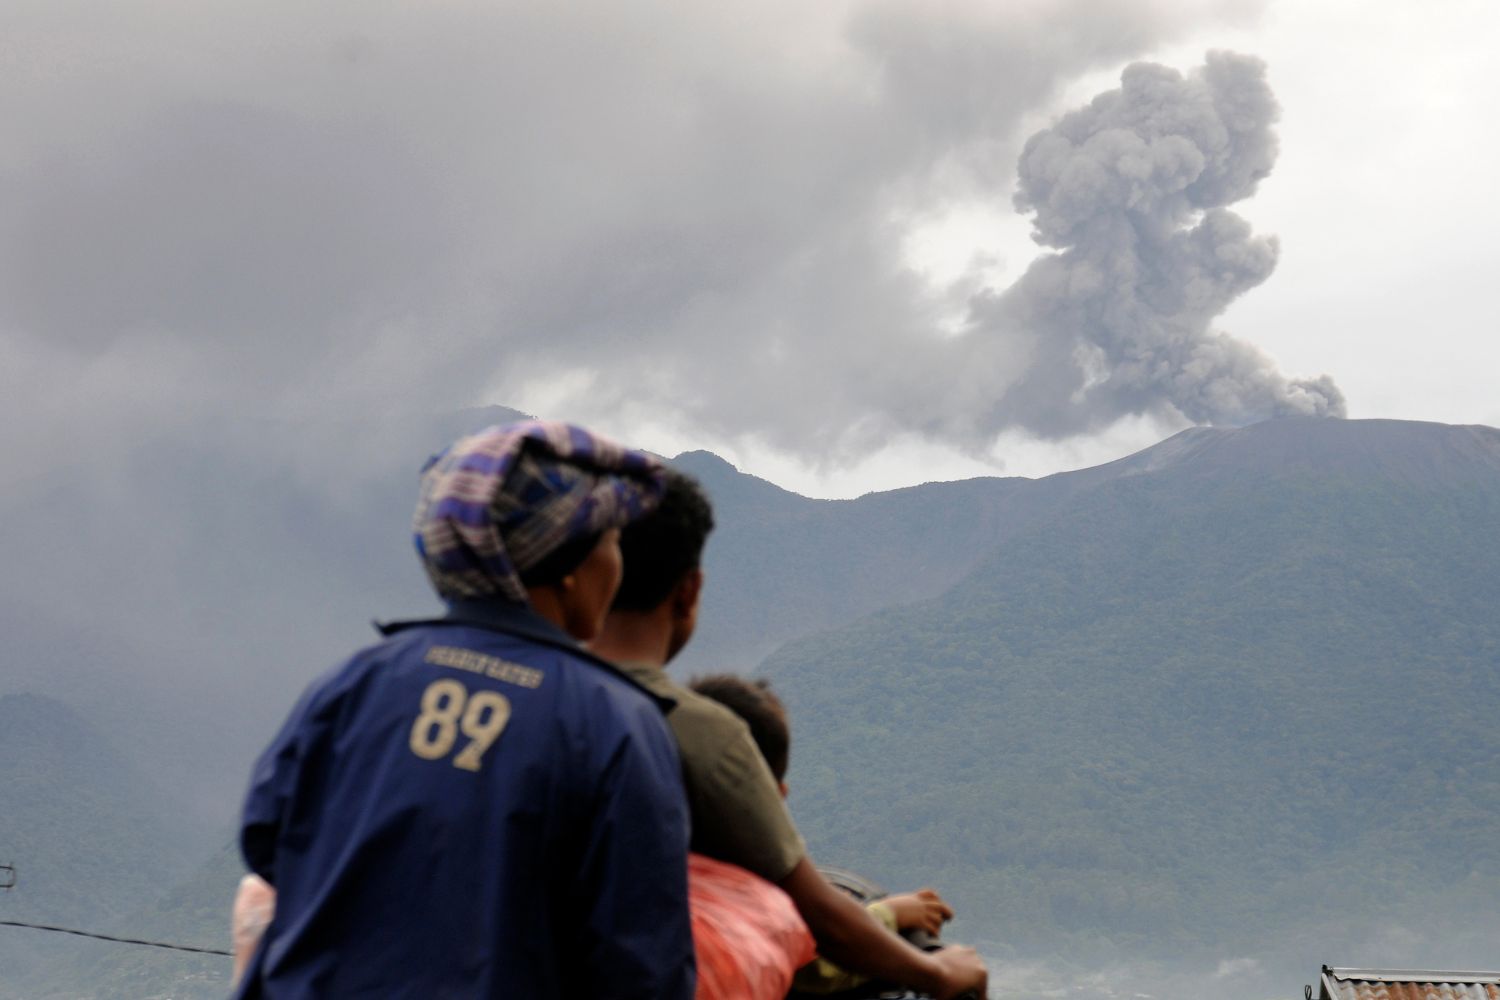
x=706, y=230
x=1131, y=191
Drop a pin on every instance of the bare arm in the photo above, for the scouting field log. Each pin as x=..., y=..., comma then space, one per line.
x=852, y=938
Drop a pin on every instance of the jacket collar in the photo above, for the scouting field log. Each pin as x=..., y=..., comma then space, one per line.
x=521, y=621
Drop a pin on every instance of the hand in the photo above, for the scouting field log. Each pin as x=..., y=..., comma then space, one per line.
x=920, y=910
x=254, y=906
x=963, y=973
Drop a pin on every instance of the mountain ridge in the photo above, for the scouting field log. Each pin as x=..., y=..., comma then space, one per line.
x=1022, y=691
x=1167, y=717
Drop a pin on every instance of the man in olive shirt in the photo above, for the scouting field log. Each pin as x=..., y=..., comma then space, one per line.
x=738, y=814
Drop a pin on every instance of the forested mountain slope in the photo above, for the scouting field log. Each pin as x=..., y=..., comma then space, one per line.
x=1241, y=692
x=92, y=837
x=193, y=911
x=781, y=565
x=1233, y=695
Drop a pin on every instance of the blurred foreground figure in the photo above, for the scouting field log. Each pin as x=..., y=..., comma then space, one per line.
x=738, y=813
x=476, y=806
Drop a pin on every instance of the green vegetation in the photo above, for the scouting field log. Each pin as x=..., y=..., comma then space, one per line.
x=1192, y=710
x=193, y=912
x=1233, y=696
x=780, y=565
x=95, y=842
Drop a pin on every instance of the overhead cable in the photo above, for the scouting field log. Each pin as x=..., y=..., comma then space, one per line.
x=117, y=940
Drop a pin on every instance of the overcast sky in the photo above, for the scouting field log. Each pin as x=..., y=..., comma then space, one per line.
x=786, y=232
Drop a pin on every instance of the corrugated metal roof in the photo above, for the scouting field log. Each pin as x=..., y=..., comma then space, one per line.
x=1408, y=984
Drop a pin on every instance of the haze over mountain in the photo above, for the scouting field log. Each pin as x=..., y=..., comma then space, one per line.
x=1234, y=700
x=1228, y=700
x=91, y=835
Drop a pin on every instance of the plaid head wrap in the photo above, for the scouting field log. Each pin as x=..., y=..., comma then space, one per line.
x=495, y=504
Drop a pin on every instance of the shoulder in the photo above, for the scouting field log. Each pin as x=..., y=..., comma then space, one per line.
x=570, y=668
x=738, y=812
x=709, y=718
x=706, y=732
x=579, y=692
x=705, y=729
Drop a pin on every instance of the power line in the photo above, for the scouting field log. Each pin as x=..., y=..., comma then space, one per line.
x=117, y=940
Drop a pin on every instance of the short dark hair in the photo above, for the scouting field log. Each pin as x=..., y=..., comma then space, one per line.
x=757, y=704
x=660, y=548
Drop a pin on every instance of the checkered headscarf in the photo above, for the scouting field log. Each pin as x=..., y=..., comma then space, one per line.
x=495, y=504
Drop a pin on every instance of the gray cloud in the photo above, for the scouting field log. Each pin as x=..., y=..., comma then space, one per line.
x=328, y=208
x=245, y=248
x=240, y=230
x=367, y=208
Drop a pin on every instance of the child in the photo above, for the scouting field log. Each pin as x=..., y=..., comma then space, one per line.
x=757, y=704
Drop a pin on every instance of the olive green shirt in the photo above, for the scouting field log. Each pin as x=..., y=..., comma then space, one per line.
x=738, y=813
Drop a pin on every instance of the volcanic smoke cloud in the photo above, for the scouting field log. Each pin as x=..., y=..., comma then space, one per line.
x=633, y=216
x=1132, y=191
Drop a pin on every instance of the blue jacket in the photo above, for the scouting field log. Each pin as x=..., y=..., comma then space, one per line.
x=474, y=807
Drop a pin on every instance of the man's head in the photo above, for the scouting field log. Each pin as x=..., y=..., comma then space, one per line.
x=663, y=554
x=763, y=712
x=530, y=513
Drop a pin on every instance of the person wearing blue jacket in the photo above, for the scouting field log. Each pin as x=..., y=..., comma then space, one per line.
x=476, y=806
